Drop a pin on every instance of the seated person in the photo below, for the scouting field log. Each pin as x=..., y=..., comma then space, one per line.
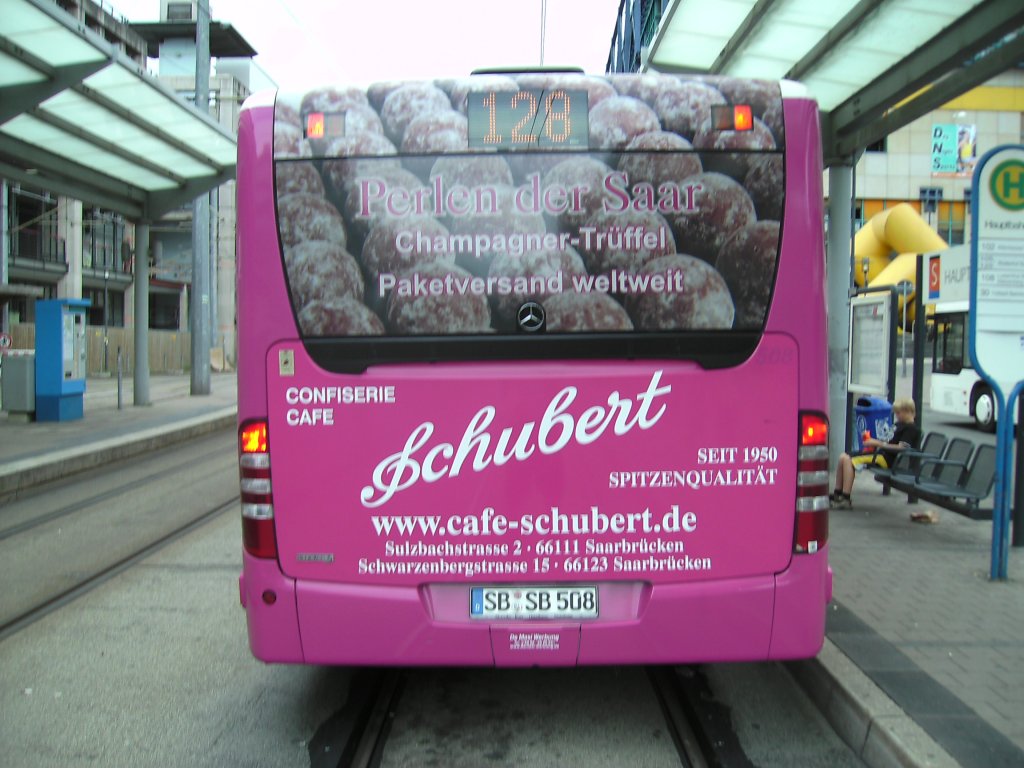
x=879, y=452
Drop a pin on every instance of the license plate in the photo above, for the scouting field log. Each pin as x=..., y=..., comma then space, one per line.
x=533, y=602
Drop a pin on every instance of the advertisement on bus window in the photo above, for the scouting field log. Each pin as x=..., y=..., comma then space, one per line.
x=540, y=202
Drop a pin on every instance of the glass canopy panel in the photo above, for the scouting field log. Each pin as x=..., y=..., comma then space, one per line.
x=107, y=126
x=892, y=32
x=58, y=142
x=14, y=72
x=695, y=16
x=696, y=35
x=38, y=33
x=683, y=49
x=787, y=33
x=166, y=113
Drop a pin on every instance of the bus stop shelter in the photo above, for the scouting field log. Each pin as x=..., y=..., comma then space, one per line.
x=873, y=65
x=80, y=118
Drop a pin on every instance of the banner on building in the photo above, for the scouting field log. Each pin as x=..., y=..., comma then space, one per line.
x=954, y=149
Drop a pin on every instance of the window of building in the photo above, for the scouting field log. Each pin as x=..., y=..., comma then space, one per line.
x=32, y=223
x=951, y=222
x=113, y=298
x=165, y=311
x=21, y=309
x=930, y=199
x=102, y=235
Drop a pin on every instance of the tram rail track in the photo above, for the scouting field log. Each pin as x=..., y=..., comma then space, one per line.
x=11, y=626
x=679, y=717
x=105, y=496
x=356, y=736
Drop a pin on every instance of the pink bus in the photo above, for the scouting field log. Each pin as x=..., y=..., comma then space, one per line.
x=532, y=371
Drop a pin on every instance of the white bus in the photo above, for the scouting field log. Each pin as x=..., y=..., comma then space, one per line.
x=956, y=387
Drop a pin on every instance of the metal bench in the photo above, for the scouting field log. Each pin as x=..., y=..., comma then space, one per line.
x=907, y=462
x=959, y=486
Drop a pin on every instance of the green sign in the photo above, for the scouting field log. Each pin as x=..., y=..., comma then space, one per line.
x=1006, y=184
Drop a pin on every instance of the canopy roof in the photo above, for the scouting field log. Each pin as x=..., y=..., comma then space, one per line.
x=80, y=118
x=873, y=65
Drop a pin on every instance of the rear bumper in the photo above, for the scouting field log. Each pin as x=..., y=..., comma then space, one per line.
x=751, y=619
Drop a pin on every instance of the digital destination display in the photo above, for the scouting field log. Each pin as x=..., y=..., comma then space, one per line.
x=531, y=118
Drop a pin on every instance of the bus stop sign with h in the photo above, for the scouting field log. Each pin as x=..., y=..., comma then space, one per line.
x=996, y=324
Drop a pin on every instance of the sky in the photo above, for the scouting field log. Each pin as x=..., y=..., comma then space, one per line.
x=305, y=43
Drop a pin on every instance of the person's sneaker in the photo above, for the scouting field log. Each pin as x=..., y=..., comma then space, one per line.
x=841, y=502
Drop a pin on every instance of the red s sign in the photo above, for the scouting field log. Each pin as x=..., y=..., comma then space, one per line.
x=934, y=277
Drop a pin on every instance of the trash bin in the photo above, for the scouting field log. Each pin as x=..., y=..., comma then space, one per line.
x=18, y=381
x=874, y=416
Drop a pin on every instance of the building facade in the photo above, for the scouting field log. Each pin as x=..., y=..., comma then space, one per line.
x=929, y=163
x=57, y=247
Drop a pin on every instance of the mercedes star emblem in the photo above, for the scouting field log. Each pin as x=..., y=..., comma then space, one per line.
x=531, y=317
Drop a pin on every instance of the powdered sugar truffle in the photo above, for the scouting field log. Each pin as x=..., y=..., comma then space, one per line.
x=375, y=181
x=378, y=92
x=645, y=87
x=616, y=121
x=764, y=183
x=747, y=262
x=348, y=156
x=659, y=157
x=290, y=142
x=593, y=312
x=624, y=241
x=722, y=207
x=285, y=113
x=505, y=229
x=531, y=277
x=297, y=178
x=582, y=179
x=696, y=297
x=431, y=134
x=332, y=99
x=684, y=106
x=308, y=217
x=382, y=252
x=339, y=317
x=441, y=309
x=470, y=172
x=764, y=99
x=748, y=144
x=362, y=119
x=319, y=271
x=407, y=103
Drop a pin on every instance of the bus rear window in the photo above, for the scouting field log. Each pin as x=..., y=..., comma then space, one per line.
x=599, y=211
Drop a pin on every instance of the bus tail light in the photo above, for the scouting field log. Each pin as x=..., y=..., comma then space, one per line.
x=732, y=117
x=812, y=482
x=257, y=493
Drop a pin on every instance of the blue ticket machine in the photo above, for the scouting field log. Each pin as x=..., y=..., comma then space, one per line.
x=60, y=359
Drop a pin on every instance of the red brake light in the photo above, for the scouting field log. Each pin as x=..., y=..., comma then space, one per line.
x=732, y=117
x=743, y=119
x=253, y=437
x=813, y=429
x=812, y=502
x=256, y=490
x=315, y=125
